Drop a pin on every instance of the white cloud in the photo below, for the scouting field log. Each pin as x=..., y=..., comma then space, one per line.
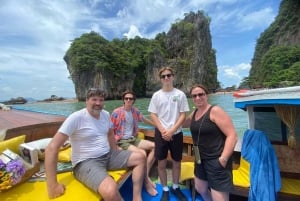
x=232, y=75
x=34, y=36
x=236, y=19
x=256, y=19
x=133, y=32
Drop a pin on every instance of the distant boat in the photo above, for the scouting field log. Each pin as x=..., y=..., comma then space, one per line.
x=273, y=92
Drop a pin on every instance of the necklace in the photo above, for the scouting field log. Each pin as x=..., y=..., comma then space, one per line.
x=200, y=113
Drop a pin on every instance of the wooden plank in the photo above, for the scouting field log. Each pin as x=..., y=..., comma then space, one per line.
x=18, y=118
x=32, y=124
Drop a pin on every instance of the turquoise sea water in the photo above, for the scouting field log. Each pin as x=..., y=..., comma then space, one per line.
x=238, y=116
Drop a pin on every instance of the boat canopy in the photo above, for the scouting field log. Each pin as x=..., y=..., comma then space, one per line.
x=274, y=111
x=264, y=102
x=279, y=96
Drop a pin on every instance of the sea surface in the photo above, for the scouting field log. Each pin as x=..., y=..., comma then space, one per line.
x=239, y=117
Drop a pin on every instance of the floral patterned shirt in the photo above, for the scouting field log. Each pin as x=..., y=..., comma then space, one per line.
x=118, y=120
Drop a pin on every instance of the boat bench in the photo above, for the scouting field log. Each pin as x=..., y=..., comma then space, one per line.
x=75, y=190
x=282, y=196
x=34, y=132
x=289, y=169
x=37, y=190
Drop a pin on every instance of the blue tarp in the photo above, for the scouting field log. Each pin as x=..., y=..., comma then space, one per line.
x=265, y=179
x=126, y=192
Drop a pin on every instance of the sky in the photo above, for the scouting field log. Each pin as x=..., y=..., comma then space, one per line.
x=35, y=35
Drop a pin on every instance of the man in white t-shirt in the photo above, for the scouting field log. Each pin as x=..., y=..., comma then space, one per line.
x=168, y=107
x=94, y=152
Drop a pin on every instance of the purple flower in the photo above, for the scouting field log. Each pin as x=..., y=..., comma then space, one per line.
x=11, y=173
x=2, y=165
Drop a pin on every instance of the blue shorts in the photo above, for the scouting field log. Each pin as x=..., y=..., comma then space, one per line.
x=92, y=172
x=217, y=177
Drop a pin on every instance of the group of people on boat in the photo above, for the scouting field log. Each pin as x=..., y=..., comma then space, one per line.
x=102, y=142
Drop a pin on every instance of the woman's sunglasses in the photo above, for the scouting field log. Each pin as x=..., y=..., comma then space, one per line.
x=126, y=98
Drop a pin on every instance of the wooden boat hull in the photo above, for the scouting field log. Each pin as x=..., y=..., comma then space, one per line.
x=260, y=106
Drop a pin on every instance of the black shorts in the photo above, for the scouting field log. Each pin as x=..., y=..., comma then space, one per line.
x=162, y=146
x=218, y=177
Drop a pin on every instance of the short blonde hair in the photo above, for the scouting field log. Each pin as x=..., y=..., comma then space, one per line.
x=165, y=68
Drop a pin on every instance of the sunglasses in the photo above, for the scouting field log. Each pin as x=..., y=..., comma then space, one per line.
x=199, y=94
x=127, y=98
x=164, y=76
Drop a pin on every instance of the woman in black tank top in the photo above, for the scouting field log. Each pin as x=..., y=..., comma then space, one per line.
x=215, y=136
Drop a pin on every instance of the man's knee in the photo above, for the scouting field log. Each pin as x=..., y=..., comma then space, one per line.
x=143, y=155
x=144, y=152
x=138, y=156
x=108, y=188
x=152, y=145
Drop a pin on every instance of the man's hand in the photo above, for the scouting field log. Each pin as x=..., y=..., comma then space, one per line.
x=56, y=191
x=167, y=135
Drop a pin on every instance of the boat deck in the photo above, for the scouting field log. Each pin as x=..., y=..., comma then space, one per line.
x=38, y=125
x=32, y=124
x=19, y=118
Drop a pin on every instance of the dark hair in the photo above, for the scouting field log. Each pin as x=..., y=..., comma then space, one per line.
x=165, y=68
x=199, y=86
x=129, y=92
x=95, y=92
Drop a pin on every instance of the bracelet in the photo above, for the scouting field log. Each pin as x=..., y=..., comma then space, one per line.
x=223, y=159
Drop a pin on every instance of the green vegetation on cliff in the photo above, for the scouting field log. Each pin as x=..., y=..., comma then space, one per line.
x=122, y=58
x=87, y=52
x=277, y=53
x=280, y=67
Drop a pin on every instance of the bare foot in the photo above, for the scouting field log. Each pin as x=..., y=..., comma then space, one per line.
x=150, y=189
x=151, y=182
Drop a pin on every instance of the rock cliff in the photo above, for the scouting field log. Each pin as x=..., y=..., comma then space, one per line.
x=280, y=39
x=133, y=64
x=189, y=52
